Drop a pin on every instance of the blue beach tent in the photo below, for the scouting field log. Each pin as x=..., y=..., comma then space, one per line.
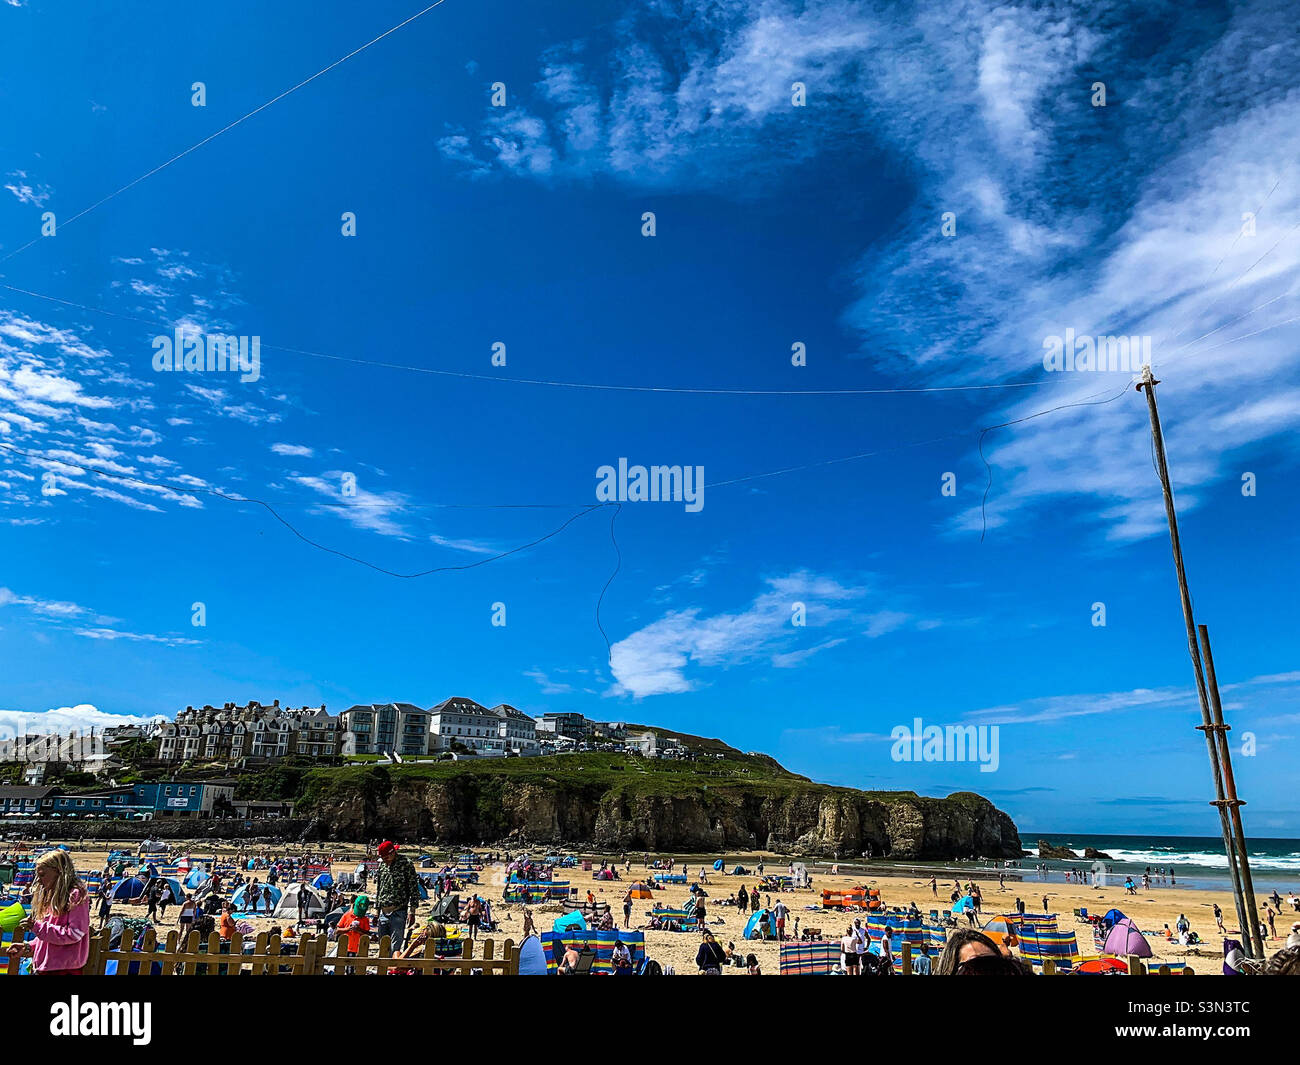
x=131, y=887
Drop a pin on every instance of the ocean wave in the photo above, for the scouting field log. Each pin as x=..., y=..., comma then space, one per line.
x=1201, y=859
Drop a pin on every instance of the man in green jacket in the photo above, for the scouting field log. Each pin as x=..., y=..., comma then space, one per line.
x=397, y=893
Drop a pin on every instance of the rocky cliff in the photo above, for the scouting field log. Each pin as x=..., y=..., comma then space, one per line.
x=787, y=814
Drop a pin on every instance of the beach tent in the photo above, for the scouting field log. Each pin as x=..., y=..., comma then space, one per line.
x=717, y=866
x=323, y=881
x=640, y=891
x=800, y=875
x=571, y=922
x=447, y=909
x=178, y=893
x=287, y=907
x=1112, y=918
x=740, y=870
x=532, y=958
x=241, y=902
x=752, y=926
x=1125, y=939
x=131, y=887
x=196, y=879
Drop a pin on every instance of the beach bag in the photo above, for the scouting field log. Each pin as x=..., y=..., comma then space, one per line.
x=651, y=968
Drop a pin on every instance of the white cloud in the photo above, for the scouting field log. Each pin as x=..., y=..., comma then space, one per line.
x=473, y=547
x=655, y=659
x=82, y=717
x=298, y=450
x=363, y=508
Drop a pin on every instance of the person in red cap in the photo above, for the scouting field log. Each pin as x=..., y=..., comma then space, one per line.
x=397, y=893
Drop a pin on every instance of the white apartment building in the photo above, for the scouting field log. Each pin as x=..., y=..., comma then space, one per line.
x=381, y=728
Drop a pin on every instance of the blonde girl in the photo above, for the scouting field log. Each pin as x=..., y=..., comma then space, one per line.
x=60, y=918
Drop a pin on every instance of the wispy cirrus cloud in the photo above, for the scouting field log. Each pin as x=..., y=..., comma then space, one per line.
x=1115, y=220
x=36, y=195
x=82, y=621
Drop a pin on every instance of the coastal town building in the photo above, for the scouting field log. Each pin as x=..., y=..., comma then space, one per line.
x=569, y=725
x=316, y=734
x=22, y=801
x=255, y=731
x=385, y=728
x=466, y=722
x=518, y=731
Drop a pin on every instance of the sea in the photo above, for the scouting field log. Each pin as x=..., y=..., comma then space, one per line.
x=1197, y=862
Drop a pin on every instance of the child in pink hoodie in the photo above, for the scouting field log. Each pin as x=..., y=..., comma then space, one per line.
x=60, y=918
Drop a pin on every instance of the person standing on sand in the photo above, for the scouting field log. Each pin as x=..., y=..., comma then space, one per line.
x=850, y=955
x=627, y=909
x=1044, y=903
x=1218, y=918
x=934, y=887
x=397, y=892
x=780, y=912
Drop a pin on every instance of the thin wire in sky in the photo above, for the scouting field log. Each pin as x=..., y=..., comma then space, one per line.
x=225, y=129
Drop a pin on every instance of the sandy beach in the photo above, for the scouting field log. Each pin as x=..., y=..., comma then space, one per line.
x=1151, y=910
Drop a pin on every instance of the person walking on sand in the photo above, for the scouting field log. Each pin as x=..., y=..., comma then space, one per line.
x=185, y=918
x=1218, y=918
x=934, y=887
x=59, y=919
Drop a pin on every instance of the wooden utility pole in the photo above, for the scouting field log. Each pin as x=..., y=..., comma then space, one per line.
x=1233, y=803
x=1245, y=907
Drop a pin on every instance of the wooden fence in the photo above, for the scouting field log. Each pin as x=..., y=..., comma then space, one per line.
x=215, y=957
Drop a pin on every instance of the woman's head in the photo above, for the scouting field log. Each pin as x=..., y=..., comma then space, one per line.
x=964, y=945
x=54, y=881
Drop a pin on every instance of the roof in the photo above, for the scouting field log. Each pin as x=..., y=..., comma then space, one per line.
x=406, y=708
x=458, y=704
x=23, y=791
x=508, y=711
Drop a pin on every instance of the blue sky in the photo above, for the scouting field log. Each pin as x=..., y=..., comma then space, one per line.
x=775, y=225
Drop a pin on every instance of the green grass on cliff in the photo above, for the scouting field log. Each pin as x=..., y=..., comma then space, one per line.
x=592, y=774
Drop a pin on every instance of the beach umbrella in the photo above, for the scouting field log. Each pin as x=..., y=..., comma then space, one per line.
x=963, y=904
x=1002, y=930
x=1101, y=967
x=1125, y=939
